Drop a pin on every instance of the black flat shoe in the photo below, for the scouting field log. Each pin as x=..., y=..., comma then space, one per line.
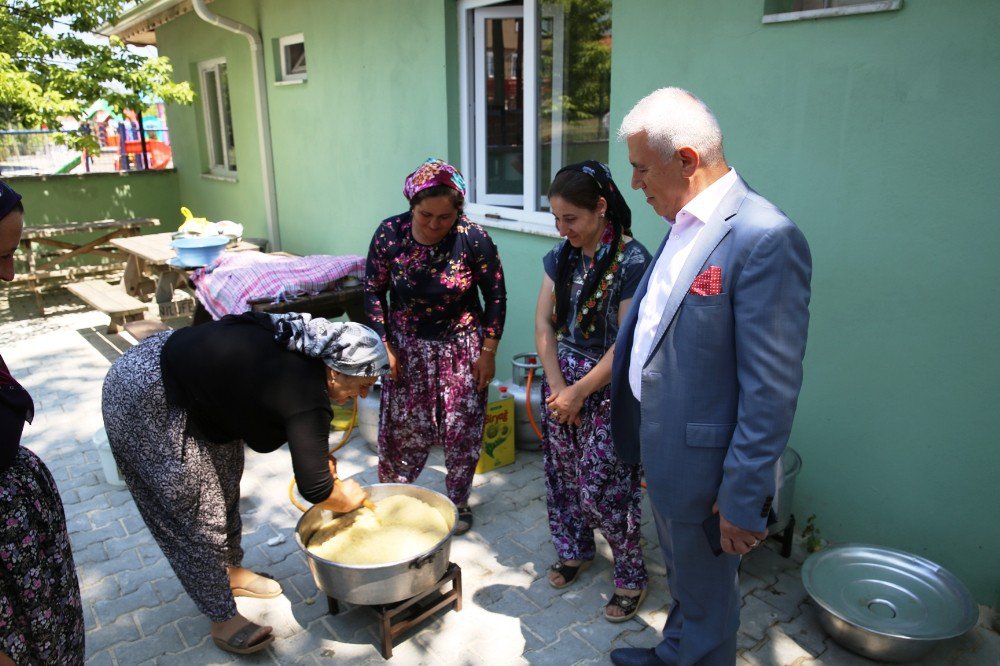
x=464, y=523
x=636, y=657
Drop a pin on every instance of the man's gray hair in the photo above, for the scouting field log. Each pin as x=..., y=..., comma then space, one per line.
x=671, y=118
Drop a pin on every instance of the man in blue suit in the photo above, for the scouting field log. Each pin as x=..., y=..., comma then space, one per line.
x=707, y=369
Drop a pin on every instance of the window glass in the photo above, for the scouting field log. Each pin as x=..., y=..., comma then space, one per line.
x=537, y=92
x=218, y=117
x=227, y=118
x=212, y=115
x=575, y=85
x=504, y=106
x=295, y=56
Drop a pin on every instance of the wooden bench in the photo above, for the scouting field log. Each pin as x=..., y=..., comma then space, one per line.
x=111, y=300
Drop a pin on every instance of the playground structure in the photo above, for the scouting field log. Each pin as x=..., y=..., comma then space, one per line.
x=124, y=134
x=120, y=136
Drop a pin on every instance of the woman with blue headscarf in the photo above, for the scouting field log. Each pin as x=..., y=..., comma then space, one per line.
x=41, y=615
x=178, y=409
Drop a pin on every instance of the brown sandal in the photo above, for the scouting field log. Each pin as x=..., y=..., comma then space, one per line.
x=568, y=572
x=464, y=523
x=237, y=643
x=254, y=594
x=628, y=604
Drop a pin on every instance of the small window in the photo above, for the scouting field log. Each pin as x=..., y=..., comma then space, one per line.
x=293, y=58
x=218, y=117
x=779, y=11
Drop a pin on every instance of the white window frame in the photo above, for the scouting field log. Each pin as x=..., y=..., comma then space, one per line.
x=872, y=7
x=284, y=75
x=526, y=217
x=217, y=164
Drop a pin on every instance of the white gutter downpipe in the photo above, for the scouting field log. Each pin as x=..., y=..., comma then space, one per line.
x=263, y=115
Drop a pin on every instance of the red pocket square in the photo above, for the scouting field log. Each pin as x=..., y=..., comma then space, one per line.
x=708, y=282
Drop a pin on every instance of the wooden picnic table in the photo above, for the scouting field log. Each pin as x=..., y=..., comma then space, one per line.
x=150, y=269
x=52, y=266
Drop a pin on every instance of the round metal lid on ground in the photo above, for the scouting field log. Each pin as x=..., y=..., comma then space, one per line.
x=885, y=603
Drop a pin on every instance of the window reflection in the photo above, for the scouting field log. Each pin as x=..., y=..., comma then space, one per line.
x=575, y=85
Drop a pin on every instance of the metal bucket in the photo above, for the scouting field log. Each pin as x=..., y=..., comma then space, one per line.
x=525, y=437
x=380, y=583
x=788, y=467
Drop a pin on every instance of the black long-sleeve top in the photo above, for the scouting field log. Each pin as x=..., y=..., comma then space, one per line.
x=236, y=382
x=16, y=408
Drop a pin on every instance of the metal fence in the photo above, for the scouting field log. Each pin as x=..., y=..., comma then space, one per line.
x=30, y=152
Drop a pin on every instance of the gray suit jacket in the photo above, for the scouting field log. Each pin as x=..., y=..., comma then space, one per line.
x=722, y=379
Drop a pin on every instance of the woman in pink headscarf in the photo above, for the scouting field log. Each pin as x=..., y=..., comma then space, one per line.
x=427, y=269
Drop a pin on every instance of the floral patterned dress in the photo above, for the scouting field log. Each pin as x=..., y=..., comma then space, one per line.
x=587, y=486
x=41, y=615
x=424, y=300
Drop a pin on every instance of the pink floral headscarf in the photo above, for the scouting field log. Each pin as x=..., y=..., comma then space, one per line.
x=430, y=173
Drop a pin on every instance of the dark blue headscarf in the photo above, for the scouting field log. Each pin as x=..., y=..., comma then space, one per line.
x=8, y=199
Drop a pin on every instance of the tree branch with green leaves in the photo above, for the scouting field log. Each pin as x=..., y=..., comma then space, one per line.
x=51, y=67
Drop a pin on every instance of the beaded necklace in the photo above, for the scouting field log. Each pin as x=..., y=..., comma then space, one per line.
x=599, y=293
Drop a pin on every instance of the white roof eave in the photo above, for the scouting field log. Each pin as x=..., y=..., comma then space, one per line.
x=145, y=17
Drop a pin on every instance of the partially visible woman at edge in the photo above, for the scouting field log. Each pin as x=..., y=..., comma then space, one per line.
x=41, y=615
x=589, y=281
x=178, y=409
x=434, y=263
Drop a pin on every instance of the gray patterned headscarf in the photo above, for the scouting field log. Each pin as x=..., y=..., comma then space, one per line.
x=347, y=347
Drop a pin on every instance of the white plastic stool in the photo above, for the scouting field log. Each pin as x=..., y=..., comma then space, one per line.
x=108, y=464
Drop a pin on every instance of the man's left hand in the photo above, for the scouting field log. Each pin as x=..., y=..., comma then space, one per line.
x=736, y=540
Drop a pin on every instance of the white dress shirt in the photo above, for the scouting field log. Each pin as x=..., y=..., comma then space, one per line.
x=690, y=222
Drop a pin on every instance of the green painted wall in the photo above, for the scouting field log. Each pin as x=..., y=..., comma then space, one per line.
x=374, y=106
x=99, y=196
x=877, y=134
x=381, y=96
x=188, y=41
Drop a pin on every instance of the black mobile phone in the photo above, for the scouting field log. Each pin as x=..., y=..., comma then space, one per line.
x=713, y=532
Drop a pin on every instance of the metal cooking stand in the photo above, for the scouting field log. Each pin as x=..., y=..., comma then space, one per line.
x=401, y=616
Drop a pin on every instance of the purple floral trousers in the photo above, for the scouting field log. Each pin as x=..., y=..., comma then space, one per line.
x=588, y=486
x=434, y=400
x=41, y=615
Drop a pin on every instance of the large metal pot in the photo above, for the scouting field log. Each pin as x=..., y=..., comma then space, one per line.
x=886, y=604
x=380, y=583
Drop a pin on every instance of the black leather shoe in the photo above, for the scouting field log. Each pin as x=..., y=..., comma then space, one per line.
x=636, y=657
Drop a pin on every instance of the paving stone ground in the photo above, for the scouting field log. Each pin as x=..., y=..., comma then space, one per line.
x=136, y=611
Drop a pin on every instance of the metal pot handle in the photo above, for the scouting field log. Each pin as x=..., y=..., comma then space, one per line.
x=424, y=560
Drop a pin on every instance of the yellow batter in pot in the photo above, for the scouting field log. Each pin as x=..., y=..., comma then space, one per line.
x=400, y=527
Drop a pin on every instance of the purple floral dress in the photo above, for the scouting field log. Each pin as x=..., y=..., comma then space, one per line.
x=587, y=486
x=41, y=615
x=424, y=300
